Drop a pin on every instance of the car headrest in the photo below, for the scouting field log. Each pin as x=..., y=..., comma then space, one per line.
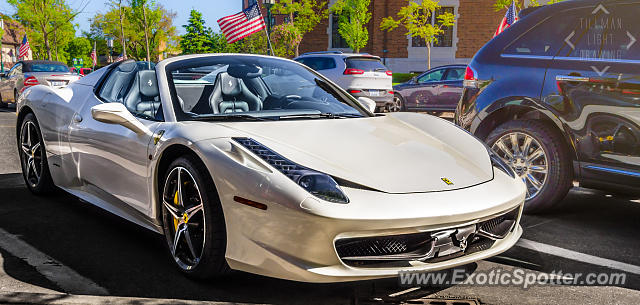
x=230, y=85
x=244, y=71
x=148, y=83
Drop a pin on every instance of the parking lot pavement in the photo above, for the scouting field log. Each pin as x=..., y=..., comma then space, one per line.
x=594, y=232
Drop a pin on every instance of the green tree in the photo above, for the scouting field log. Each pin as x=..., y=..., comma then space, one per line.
x=284, y=38
x=120, y=9
x=161, y=32
x=304, y=15
x=416, y=19
x=353, y=17
x=198, y=38
x=79, y=47
x=46, y=21
x=139, y=11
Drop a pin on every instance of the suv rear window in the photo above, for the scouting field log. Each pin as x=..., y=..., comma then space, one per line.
x=365, y=64
x=318, y=63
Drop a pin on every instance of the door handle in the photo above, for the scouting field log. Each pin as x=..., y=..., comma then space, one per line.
x=572, y=78
x=77, y=118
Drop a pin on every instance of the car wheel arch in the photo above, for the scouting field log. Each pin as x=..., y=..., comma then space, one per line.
x=168, y=155
x=524, y=110
x=21, y=114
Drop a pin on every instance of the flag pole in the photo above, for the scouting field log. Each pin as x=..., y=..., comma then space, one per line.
x=269, y=41
x=95, y=51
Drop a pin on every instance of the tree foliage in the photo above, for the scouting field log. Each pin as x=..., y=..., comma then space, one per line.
x=48, y=24
x=416, y=19
x=304, y=15
x=161, y=32
x=198, y=38
x=353, y=17
x=79, y=47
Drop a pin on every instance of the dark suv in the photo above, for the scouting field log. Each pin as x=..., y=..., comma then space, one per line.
x=557, y=95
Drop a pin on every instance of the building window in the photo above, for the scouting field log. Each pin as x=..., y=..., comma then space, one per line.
x=337, y=41
x=445, y=39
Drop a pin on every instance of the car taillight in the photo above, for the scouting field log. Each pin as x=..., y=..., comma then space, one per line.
x=470, y=78
x=354, y=91
x=389, y=73
x=30, y=81
x=390, y=92
x=350, y=71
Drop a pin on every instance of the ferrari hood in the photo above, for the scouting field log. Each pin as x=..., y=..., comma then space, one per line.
x=396, y=153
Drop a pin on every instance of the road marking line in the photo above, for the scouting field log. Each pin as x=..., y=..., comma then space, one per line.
x=516, y=260
x=61, y=275
x=577, y=256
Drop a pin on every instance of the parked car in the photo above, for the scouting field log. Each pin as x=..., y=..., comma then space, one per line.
x=558, y=105
x=437, y=90
x=240, y=174
x=29, y=73
x=360, y=74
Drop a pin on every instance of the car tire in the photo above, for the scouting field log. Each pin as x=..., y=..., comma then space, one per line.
x=205, y=228
x=553, y=166
x=33, y=157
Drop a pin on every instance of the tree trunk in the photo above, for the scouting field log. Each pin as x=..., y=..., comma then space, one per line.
x=428, y=56
x=123, y=40
x=45, y=37
x=55, y=43
x=146, y=33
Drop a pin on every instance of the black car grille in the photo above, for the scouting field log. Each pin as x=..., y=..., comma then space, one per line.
x=500, y=226
x=382, y=246
x=398, y=250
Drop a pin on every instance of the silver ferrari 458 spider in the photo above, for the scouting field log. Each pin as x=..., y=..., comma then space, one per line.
x=259, y=164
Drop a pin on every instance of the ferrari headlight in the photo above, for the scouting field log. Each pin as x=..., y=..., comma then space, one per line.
x=498, y=162
x=316, y=183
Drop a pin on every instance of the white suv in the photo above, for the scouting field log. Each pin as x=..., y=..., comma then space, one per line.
x=359, y=74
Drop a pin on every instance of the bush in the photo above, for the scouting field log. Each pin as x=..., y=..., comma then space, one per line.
x=402, y=77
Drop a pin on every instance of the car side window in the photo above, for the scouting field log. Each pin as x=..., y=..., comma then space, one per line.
x=135, y=88
x=621, y=41
x=455, y=74
x=548, y=37
x=318, y=63
x=434, y=76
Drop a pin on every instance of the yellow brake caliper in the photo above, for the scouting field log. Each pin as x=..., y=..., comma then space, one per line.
x=175, y=202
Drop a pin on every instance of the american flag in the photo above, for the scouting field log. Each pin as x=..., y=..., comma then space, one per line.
x=120, y=58
x=509, y=19
x=243, y=24
x=24, y=47
x=94, y=56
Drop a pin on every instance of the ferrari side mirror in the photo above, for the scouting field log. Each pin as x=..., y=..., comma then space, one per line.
x=116, y=113
x=367, y=103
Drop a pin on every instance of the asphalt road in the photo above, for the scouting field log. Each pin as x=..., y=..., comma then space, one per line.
x=59, y=237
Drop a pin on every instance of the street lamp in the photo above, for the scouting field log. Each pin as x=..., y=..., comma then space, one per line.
x=110, y=46
x=268, y=4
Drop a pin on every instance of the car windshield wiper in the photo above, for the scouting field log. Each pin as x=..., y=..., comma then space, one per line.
x=231, y=117
x=322, y=116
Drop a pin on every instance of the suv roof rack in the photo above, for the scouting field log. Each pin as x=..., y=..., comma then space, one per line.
x=323, y=52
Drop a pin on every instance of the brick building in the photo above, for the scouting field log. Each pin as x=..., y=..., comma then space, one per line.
x=476, y=22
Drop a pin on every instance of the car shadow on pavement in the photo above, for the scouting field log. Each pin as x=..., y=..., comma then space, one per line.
x=130, y=261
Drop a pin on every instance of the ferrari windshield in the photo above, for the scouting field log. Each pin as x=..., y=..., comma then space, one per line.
x=254, y=87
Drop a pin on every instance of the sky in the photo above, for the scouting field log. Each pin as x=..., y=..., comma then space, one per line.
x=211, y=10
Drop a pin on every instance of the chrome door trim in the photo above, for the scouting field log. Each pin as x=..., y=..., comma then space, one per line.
x=571, y=78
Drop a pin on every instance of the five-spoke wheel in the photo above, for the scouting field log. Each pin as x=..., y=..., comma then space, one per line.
x=183, y=202
x=193, y=220
x=33, y=156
